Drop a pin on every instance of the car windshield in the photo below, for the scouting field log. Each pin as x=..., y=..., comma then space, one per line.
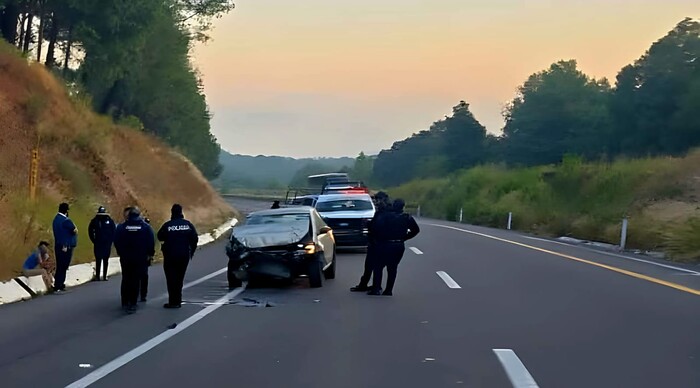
x=344, y=205
x=296, y=220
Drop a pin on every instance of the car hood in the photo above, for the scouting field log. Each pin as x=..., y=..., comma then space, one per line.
x=348, y=214
x=261, y=236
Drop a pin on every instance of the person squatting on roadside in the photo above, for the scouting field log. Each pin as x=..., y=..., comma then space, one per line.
x=392, y=230
x=135, y=243
x=382, y=204
x=65, y=236
x=37, y=263
x=179, y=238
x=101, y=232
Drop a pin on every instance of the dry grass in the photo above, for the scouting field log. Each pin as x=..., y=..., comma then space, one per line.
x=84, y=159
x=585, y=200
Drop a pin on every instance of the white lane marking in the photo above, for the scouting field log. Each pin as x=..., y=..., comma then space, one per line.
x=580, y=260
x=195, y=282
x=124, y=359
x=549, y=241
x=447, y=279
x=516, y=371
x=618, y=256
x=416, y=250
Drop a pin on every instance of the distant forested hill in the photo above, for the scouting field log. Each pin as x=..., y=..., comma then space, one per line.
x=270, y=172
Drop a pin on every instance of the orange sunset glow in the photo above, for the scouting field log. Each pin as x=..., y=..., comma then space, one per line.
x=359, y=75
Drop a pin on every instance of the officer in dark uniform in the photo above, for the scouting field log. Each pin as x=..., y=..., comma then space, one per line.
x=65, y=240
x=101, y=231
x=382, y=204
x=392, y=229
x=179, y=238
x=135, y=243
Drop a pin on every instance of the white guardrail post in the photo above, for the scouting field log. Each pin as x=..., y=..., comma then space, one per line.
x=623, y=234
x=461, y=215
x=510, y=220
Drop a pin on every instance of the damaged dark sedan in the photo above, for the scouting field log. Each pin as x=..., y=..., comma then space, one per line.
x=282, y=244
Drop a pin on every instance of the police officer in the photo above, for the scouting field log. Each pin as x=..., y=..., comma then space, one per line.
x=143, y=277
x=382, y=204
x=135, y=243
x=65, y=240
x=179, y=238
x=101, y=232
x=392, y=230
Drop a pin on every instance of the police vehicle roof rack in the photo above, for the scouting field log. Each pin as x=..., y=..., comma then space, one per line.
x=294, y=193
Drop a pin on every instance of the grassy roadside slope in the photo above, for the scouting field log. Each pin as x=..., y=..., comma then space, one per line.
x=586, y=200
x=84, y=159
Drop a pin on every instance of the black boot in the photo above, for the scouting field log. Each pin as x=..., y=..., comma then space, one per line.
x=359, y=288
x=375, y=291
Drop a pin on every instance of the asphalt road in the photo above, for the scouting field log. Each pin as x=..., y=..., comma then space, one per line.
x=557, y=316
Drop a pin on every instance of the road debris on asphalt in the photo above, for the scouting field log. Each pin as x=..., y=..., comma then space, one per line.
x=250, y=302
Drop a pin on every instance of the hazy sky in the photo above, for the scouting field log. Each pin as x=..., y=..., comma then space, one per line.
x=336, y=77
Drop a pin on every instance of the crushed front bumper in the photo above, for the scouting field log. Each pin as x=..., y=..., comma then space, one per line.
x=274, y=264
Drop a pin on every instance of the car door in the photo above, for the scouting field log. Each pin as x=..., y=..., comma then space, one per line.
x=325, y=240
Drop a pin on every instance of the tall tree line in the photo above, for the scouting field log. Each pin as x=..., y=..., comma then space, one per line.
x=132, y=57
x=653, y=109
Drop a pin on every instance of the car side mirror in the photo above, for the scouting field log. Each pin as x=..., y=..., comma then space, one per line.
x=324, y=230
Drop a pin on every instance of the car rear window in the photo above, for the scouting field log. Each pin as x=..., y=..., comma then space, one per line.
x=344, y=205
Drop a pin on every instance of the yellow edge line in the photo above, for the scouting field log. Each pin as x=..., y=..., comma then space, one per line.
x=574, y=258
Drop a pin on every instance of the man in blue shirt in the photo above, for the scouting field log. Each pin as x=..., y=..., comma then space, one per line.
x=34, y=265
x=65, y=236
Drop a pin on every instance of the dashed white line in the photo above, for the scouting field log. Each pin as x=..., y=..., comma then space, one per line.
x=152, y=343
x=416, y=250
x=516, y=371
x=651, y=279
x=447, y=279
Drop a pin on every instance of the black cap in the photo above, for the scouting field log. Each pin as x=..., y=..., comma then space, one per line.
x=398, y=205
x=101, y=210
x=63, y=208
x=381, y=195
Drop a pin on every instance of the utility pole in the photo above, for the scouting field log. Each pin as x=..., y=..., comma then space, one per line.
x=33, y=173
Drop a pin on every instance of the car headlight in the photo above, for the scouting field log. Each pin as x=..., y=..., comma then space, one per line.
x=309, y=248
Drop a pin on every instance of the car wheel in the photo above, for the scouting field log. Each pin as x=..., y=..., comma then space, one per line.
x=329, y=273
x=315, y=274
x=234, y=276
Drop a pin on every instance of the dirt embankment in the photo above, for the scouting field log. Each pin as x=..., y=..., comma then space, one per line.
x=84, y=159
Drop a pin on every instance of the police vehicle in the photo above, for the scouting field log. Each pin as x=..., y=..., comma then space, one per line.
x=348, y=214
